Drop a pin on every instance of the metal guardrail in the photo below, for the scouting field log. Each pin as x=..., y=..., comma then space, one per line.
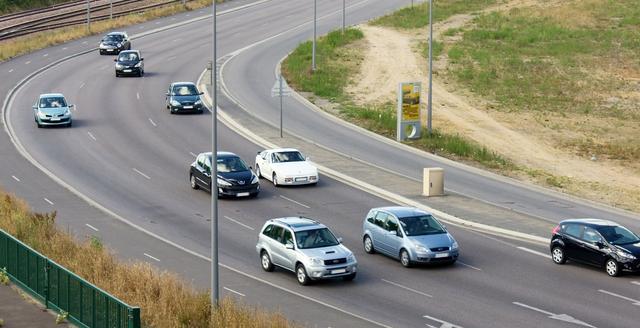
x=62, y=290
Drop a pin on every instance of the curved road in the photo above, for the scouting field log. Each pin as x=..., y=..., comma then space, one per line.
x=127, y=153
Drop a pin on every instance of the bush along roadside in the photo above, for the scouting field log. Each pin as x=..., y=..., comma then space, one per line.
x=32, y=42
x=337, y=61
x=164, y=299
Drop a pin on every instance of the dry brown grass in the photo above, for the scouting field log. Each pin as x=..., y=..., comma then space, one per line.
x=165, y=300
x=26, y=44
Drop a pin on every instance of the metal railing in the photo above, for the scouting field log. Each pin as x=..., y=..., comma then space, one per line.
x=60, y=289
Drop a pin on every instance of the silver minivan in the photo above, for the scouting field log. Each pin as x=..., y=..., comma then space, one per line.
x=408, y=234
x=305, y=247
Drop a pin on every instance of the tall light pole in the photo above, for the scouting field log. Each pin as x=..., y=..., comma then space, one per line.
x=430, y=67
x=313, y=51
x=214, y=171
x=344, y=15
x=88, y=16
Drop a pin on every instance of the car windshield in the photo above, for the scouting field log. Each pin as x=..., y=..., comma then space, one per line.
x=315, y=238
x=128, y=56
x=113, y=37
x=231, y=164
x=421, y=225
x=288, y=156
x=52, y=102
x=618, y=235
x=185, y=90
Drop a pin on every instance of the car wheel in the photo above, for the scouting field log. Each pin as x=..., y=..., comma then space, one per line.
x=258, y=173
x=612, y=267
x=301, y=274
x=192, y=179
x=557, y=255
x=405, y=260
x=275, y=180
x=265, y=261
x=368, y=245
x=349, y=277
x=172, y=110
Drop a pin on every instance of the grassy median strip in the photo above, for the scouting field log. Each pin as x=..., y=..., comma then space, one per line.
x=25, y=44
x=165, y=300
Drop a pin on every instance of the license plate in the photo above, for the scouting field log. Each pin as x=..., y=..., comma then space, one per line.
x=109, y=49
x=439, y=255
x=241, y=194
x=338, y=271
x=55, y=119
x=301, y=179
x=188, y=107
x=127, y=71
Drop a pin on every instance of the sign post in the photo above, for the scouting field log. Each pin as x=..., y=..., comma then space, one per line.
x=280, y=89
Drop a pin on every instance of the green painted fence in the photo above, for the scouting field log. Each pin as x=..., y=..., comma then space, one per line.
x=62, y=290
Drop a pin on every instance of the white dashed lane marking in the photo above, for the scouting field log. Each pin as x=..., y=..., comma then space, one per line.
x=406, y=288
x=192, y=154
x=636, y=283
x=142, y=174
x=15, y=178
x=91, y=136
x=11, y=70
x=233, y=291
x=294, y=201
x=28, y=62
x=45, y=55
x=534, y=252
x=152, y=122
x=92, y=227
x=151, y=257
x=469, y=266
x=633, y=301
x=238, y=222
x=81, y=85
x=48, y=201
x=138, y=95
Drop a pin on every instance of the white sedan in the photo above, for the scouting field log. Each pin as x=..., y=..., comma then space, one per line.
x=285, y=166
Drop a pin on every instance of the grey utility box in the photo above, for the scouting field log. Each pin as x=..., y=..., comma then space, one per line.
x=433, y=181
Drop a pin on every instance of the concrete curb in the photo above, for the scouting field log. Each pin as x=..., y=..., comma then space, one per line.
x=376, y=191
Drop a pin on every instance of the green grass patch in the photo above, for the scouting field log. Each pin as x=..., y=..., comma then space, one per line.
x=335, y=63
x=418, y=15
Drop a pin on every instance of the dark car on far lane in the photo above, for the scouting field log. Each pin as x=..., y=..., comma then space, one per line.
x=183, y=97
x=600, y=243
x=129, y=62
x=114, y=43
x=235, y=179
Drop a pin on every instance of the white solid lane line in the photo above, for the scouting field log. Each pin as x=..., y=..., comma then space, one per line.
x=142, y=174
x=91, y=136
x=235, y=292
x=48, y=201
x=534, y=252
x=407, y=288
x=152, y=122
x=293, y=201
x=444, y=323
x=239, y=223
x=633, y=282
x=151, y=257
x=15, y=178
x=635, y=302
x=469, y=266
x=92, y=227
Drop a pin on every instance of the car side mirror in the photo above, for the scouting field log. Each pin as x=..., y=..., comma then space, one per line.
x=259, y=152
x=201, y=93
x=141, y=59
x=600, y=244
x=339, y=240
x=308, y=158
x=72, y=105
x=250, y=168
x=115, y=59
x=288, y=246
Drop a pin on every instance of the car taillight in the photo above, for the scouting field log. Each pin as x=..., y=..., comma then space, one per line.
x=556, y=230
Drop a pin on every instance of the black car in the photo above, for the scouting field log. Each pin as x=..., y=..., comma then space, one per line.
x=129, y=62
x=601, y=243
x=183, y=97
x=234, y=177
x=114, y=43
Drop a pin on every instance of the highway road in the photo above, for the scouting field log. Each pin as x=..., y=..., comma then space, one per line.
x=126, y=153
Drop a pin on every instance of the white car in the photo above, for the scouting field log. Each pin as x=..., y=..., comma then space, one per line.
x=285, y=166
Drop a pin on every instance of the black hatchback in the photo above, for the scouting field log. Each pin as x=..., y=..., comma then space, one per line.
x=235, y=179
x=601, y=243
x=183, y=97
x=129, y=62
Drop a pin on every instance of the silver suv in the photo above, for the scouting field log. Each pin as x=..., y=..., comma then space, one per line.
x=408, y=234
x=305, y=247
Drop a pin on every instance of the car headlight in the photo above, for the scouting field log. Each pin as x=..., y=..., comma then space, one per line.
x=138, y=64
x=42, y=115
x=102, y=46
x=351, y=258
x=67, y=112
x=223, y=183
x=454, y=245
x=254, y=179
x=421, y=249
x=626, y=255
x=119, y=45
x=118, y=66
x=316, y=261
x=198, y=102
x=174, y=102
